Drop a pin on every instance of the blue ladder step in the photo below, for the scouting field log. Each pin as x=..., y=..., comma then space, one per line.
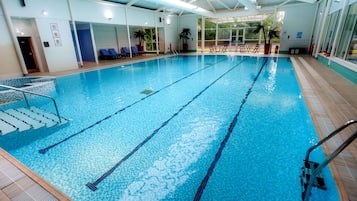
x=17, y=123
x=28, y=119
x=6, y=128
x=38, y=117
x=48, y=115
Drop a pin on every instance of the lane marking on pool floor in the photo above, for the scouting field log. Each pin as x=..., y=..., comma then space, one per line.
x=93, y=185
x=203, y=184
x=44, y=150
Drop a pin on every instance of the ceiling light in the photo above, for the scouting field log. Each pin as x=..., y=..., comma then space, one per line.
x=177, y=4
x=44, y=12
x=108, y=14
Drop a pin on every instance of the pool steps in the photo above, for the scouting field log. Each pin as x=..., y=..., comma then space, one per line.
x=311, y=175
x=23, y=119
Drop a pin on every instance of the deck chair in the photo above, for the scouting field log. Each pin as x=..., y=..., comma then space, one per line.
x=135, y=51
x=104, y=54
x=256, y=48
x=242, y=48
x=113, y=52
x=125, y=51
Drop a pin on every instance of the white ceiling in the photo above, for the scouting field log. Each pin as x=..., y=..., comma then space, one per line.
x=212, y=8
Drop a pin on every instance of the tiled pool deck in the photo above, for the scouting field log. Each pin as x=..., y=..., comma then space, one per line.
x=331, y=100
x=17, y=182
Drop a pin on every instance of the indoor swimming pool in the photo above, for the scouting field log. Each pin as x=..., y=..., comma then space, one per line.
x=205, y=127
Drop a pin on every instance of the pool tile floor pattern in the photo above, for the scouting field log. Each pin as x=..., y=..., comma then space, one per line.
x=330, y=98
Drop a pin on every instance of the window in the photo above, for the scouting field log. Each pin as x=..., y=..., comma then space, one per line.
x=331, y=31
x=150, y=39
x=347, y=48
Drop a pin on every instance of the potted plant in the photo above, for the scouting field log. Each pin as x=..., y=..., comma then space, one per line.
x=140, y=34
x=184, y=36
x=268, y=35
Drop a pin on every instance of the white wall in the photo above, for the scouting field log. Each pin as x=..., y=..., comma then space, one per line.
x=59, y=57
x=297, y=19
x=9, y=65
x=171, y=34
x=26, y=27
x=191, y=23
x=90, y=11
x=105, y=37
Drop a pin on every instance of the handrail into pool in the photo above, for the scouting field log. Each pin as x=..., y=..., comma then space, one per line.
x=36, y=94
x=315, y=172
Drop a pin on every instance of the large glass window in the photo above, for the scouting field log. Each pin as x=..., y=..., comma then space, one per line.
x=352, y=50
x=347, y=47
x=238, y=35
x=331, y=31
x=251, y=36
x=150, y=39
x=233, y=32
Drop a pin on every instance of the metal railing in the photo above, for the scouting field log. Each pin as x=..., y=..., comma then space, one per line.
x=349, y=140
x=24, y=92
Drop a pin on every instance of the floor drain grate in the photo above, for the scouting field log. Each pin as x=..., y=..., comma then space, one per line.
x=146, y=91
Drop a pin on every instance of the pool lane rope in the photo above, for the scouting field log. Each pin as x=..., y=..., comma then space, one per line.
x=203, y=184
x=44, y=150
x=93, y=185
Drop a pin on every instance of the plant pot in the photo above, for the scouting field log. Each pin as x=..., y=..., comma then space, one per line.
x=267, y=48
x=140, y=47
x=185, y=47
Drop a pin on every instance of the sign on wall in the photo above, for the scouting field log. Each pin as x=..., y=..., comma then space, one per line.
x=56, y=34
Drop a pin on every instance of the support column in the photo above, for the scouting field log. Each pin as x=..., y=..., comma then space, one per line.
x=156, y=37
x=93, y=43
x=14, y=39
x=216, y=41
x=203, y=30
x=78, y=49
x=128, y=32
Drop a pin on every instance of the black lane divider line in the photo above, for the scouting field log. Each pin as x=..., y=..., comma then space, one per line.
x=44, y=150
x=203, y=184
x=93, y=186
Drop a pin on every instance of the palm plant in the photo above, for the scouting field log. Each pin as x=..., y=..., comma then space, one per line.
x=268, y=35
x=184, y=36
x=140, y=34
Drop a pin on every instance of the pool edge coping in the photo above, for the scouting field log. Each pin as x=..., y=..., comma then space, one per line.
x=34, y=177
x=304, y=84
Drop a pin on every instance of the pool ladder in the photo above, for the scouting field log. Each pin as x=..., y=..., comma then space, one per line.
x=22, y=119
x=311, y=172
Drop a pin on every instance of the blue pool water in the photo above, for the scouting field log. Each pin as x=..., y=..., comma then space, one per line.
x=212, y=128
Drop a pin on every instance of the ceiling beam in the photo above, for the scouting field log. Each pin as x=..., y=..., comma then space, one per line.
x=210, y=4
x=224, y=5
x=132, y=2
x=181, y=5
x=248, y=4
x=236, y=6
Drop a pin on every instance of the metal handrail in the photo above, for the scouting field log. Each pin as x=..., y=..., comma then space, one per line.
x=331, y=157
x=36, y=94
